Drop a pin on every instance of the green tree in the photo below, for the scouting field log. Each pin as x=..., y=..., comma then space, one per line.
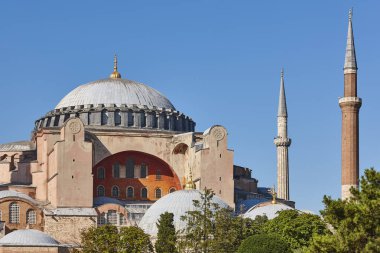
x=230, y=231
x=264, y=243
x=355, y=222
x=99, y=239
x=133, y=240
x=166, y=236
x=296, y=228
x=199, y=229
x=107, y=239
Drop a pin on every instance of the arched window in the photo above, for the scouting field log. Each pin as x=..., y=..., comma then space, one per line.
x=131, y=118
x=143, y=170
x=31, y=217
x=117, y=118
x=144, y=193
x=14, y=213
x=100, y=191
x=88, y=118
x=101, y=173
x=112, y=217
x=172, y=190
x=115, y=191
x=130, y=167
x=104, y=117
x=158, y=174
x=158, y=193
x=102, y=219
x=130, y=192
x=122, y=220
x=116, y=170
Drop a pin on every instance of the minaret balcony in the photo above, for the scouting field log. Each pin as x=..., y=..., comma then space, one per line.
x=279, y=141
x=353, y=101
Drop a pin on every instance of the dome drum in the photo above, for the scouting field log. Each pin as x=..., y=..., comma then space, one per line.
x=125, y=116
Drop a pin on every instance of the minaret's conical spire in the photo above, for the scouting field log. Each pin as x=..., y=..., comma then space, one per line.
x=350, y=59
x=282, y=111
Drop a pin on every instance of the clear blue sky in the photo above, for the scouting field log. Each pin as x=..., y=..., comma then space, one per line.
x=218, y=61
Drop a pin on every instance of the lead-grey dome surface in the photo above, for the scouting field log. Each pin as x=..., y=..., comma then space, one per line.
x=268, y=209
x=178, y=203
x=28, y=237
x=115, y=91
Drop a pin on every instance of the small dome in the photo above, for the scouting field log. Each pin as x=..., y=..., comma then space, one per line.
x=266, y=208
x=178, y=203
x=115, y=91
x=28, y=237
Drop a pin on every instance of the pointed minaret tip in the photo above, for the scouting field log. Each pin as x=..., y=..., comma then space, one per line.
x=350, y=65
x=282, y=110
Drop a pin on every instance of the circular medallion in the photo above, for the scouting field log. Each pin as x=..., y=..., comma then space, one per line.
x=218, y=134
x=74, y=127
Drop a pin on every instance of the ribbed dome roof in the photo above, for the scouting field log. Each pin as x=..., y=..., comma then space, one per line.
x=267, y=208
x=178, y=203
x=115, y=91
x=28, y=237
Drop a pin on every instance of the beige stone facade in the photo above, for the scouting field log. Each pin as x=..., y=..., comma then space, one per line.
x=91, y=164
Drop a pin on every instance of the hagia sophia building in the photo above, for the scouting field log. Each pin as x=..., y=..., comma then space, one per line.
x=115, y=151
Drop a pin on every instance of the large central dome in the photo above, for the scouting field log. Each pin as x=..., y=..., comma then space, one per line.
x=115, y=91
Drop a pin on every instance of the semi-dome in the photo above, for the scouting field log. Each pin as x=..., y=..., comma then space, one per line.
x=28, y=237
x=178, y=203
x=115, y=91
x=267, y=208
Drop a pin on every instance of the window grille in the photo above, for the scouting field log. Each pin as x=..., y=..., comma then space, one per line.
x=112, y=217
x=31, y=217
x=14, y=213
x=122, y=220
x=102, y=219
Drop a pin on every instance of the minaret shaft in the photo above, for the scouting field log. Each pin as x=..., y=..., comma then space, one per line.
x=350, y=105
x=282, y=143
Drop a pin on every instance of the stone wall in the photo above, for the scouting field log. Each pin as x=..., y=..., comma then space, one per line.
x=67, y=229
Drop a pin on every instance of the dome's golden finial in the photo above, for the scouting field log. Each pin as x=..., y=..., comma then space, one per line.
x=115, y=74
x=274, y=195
x=190, y=184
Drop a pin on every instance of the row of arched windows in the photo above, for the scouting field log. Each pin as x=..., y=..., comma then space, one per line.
x=129, y=171
x=14, y=214
x=112, y=217
x=117, y=118
x=115, y=192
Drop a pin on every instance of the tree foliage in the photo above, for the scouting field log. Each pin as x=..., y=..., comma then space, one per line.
x=355, y=222
x=108, y=239
x=212, y=229
x=264, y=243
x=296, y=228
x=166, y=236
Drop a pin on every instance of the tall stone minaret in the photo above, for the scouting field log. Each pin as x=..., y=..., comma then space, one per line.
x=350, y=105
x=282, y=143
